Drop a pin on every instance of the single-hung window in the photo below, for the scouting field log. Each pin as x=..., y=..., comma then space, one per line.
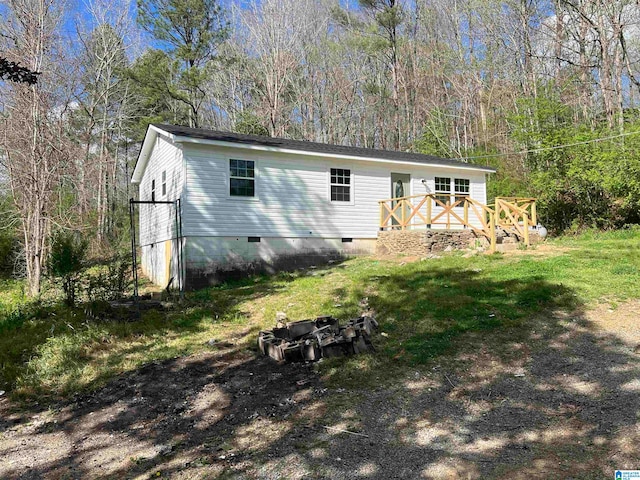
x=242, y=181
x=164, y=183
x=153, y=190
x=461, y=188
x=340, y=185
x=443, y=189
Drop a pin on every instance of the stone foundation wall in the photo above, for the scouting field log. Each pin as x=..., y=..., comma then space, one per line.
x=425, y=242
x=420, y=243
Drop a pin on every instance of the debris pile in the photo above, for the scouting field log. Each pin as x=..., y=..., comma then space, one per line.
x=311, y=340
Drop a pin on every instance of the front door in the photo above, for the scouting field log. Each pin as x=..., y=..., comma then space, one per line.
x=400, y=187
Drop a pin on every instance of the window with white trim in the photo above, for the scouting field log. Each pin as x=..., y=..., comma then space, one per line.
x=461, y=188
x=340, y=185
x=450, y=190
x=443, y=189
x=164, y=183
x=242, y=181
x=153, y=190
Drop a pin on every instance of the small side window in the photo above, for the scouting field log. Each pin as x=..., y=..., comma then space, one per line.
x=461, y=186
x=340, y=185
x=164, y=183
x=153, y=190
x=443, y=189
x=242, y=181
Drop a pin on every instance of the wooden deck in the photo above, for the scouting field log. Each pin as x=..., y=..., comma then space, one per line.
x=513, y=214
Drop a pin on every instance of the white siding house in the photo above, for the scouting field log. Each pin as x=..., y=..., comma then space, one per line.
x=256, y=203
x=163, y=181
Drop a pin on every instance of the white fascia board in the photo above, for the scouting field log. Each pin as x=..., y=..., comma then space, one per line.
x=145, y=151
x=201, y=141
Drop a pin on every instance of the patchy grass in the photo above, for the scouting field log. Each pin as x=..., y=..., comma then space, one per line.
x=427, y=309
x=11, y=295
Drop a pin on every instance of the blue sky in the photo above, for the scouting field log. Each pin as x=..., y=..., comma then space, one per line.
x=78, y=7
x=77, y=10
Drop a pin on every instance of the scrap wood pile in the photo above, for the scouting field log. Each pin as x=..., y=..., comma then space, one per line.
x=311, y=340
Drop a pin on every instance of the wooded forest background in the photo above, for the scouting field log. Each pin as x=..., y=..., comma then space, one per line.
x=501, y=83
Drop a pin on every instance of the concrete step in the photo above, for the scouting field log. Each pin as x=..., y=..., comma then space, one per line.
x=507, y=247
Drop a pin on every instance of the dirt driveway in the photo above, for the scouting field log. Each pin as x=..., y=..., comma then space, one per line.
x=565, y=404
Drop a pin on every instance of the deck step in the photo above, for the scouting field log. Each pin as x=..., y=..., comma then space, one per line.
x=507, y=247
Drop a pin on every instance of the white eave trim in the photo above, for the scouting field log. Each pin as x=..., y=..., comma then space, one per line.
x=145, y=151
x=153, y=131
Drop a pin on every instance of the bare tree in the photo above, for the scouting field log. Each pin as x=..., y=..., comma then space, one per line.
x=106, y=104
x=605, y=24
x=272, y=32
x=34, y=149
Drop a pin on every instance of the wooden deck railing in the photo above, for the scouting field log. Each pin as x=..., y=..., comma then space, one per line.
x=517, y=214
x=512, y=214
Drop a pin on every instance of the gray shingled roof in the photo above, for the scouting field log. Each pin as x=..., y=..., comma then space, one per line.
x=204, y=134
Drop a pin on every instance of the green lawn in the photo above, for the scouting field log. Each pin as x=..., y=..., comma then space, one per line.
x=11, y=295
x=427, y=309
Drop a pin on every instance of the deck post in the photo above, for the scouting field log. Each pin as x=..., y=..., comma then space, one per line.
x=466, y=213
x=403, y=208
x=382, y=204
x=525, y=216
x=534, y=216
x=430, y=199
x=492, y=231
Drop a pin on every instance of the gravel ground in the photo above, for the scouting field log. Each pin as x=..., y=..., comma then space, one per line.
x=564, y=405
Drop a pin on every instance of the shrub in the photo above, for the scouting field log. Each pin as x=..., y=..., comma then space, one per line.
x=66, y=261
x=109, y=281
x=23, y=313
x=8, y=247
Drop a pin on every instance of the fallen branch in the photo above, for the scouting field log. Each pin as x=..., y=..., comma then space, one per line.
x=449, y=380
